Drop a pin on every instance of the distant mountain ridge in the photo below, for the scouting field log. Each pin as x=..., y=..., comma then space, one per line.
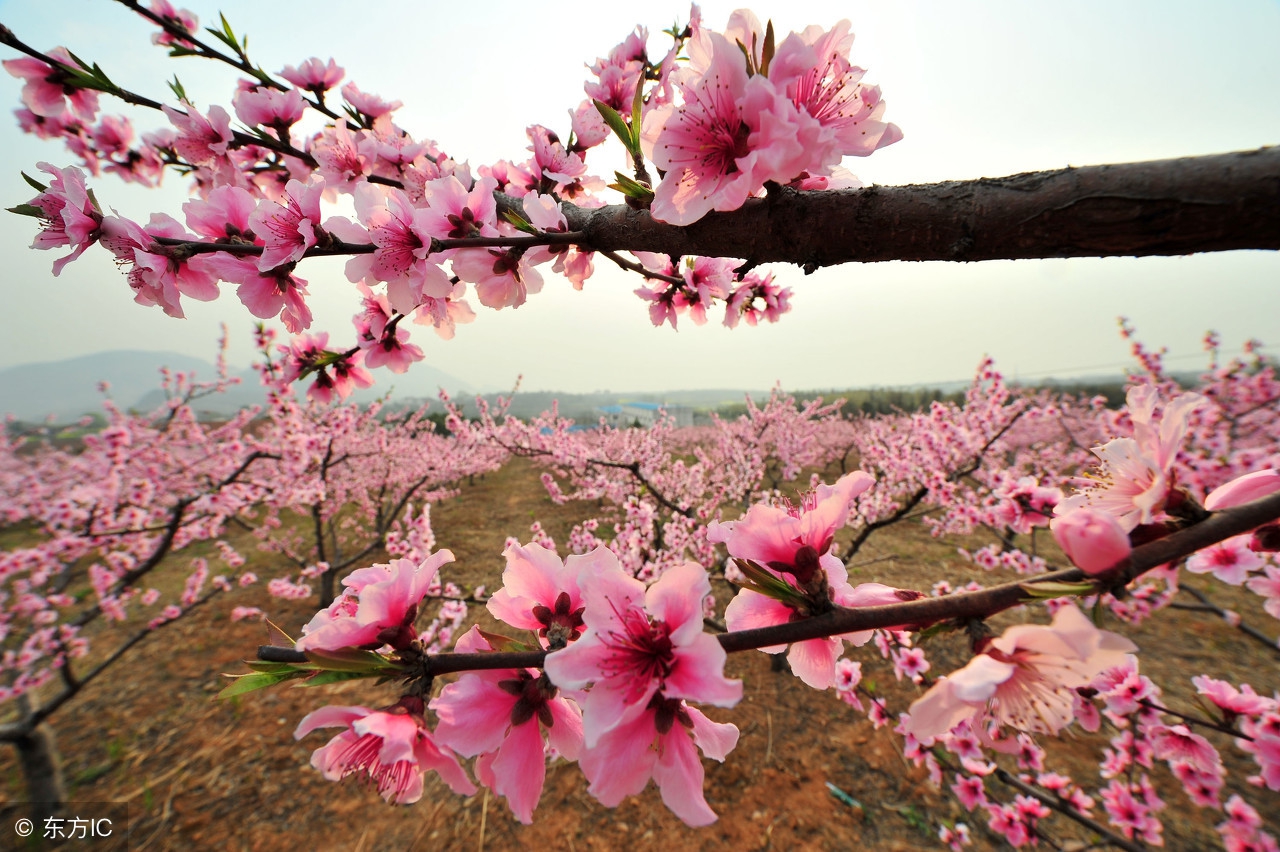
x=68, y=389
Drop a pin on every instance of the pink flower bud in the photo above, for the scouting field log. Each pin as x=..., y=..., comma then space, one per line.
x=1094, y=541
x=1243, y=489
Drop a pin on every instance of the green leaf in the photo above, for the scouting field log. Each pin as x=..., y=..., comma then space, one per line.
x=1051, y=589
x=936, y=630
x=349, y=660
x=499, y=642
x=324, y=678
x=520, y=223
x=746, y=54
x=86, y=66
x=760, y=580
x=615, y=121
x=630, y=187
x=177, y=50
x=637, y=110
x=33, y=183
x=27, y=210
x=253, y=682
x=766, y=54
x=179, y=91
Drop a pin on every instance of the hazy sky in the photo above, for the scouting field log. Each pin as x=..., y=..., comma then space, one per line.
x=979, y=90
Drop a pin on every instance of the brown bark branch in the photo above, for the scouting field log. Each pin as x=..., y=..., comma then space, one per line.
x=1219, y=202
x=915, y=614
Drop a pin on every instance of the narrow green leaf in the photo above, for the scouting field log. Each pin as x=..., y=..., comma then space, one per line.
x=1047, y=590
x=766, y=55
x=253, y=682
x=615, y=121
x=33, y=183
x=327, y=677
x=746, y=54
x=637, y=109
x=501, y=642
x=86, y=66
x=348, y=660
x=226, y=28
x=631, y=188
x=520, y=223
x=27, y=210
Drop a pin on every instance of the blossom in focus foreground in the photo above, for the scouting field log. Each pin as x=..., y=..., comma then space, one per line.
x=500, y=714
x=378, y=607
x=796, y=541
x=1025, y=679
x=643, y=652
x=392, y=746
x=1135, y=478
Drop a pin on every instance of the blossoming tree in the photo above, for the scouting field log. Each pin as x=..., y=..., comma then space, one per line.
x=735, y=140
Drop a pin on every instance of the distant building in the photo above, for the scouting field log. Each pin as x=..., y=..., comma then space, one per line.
x=643, y=414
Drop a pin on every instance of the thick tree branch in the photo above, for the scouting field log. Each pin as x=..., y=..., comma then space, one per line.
x=1164, y=207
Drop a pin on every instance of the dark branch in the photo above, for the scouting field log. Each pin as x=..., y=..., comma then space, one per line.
x=1164, y=207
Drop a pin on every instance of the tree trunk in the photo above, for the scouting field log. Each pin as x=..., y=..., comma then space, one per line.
x=41, y=768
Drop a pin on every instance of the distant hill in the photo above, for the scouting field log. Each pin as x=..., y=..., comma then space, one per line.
x=68, y=389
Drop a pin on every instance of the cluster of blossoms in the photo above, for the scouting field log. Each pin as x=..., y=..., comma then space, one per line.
x=725, y=115
x=624, y=662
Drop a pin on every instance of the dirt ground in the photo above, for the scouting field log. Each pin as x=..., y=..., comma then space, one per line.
x=200, y=773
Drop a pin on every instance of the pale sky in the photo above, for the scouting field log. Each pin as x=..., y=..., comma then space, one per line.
x=979, y=89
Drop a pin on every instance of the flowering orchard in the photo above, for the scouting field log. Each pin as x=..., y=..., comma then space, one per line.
x=736, y=140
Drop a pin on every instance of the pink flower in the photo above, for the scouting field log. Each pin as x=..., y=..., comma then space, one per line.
x=555, y=163
x=796, y=540
x=1237, y=702
x=366, y=104
x=540, y=593
x=501, y=714
x=183, y=18
x=314, y=75
x=201, y=141
x=1177, y=744
x=544, y=213
x=640, y=644
x=1094, y=541
x=1134, y=480
x=1267, y=585
x=839, y=116
x=661, y=743
x=390, y=349
x=378, y=606
x=263, y=105
x=46, y=90
x=503, y=278
x=224, y=213
x=290, y=228
x=1026, y=678
x=731, y=135
x=403, y=240
x=393, y=747
x=344, y=159
x=793, y=539
x=68, y=214
x=267, y=294
x=1243, y=489
x=1230, y=561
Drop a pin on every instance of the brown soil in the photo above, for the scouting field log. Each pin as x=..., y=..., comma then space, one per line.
x=199, y=773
